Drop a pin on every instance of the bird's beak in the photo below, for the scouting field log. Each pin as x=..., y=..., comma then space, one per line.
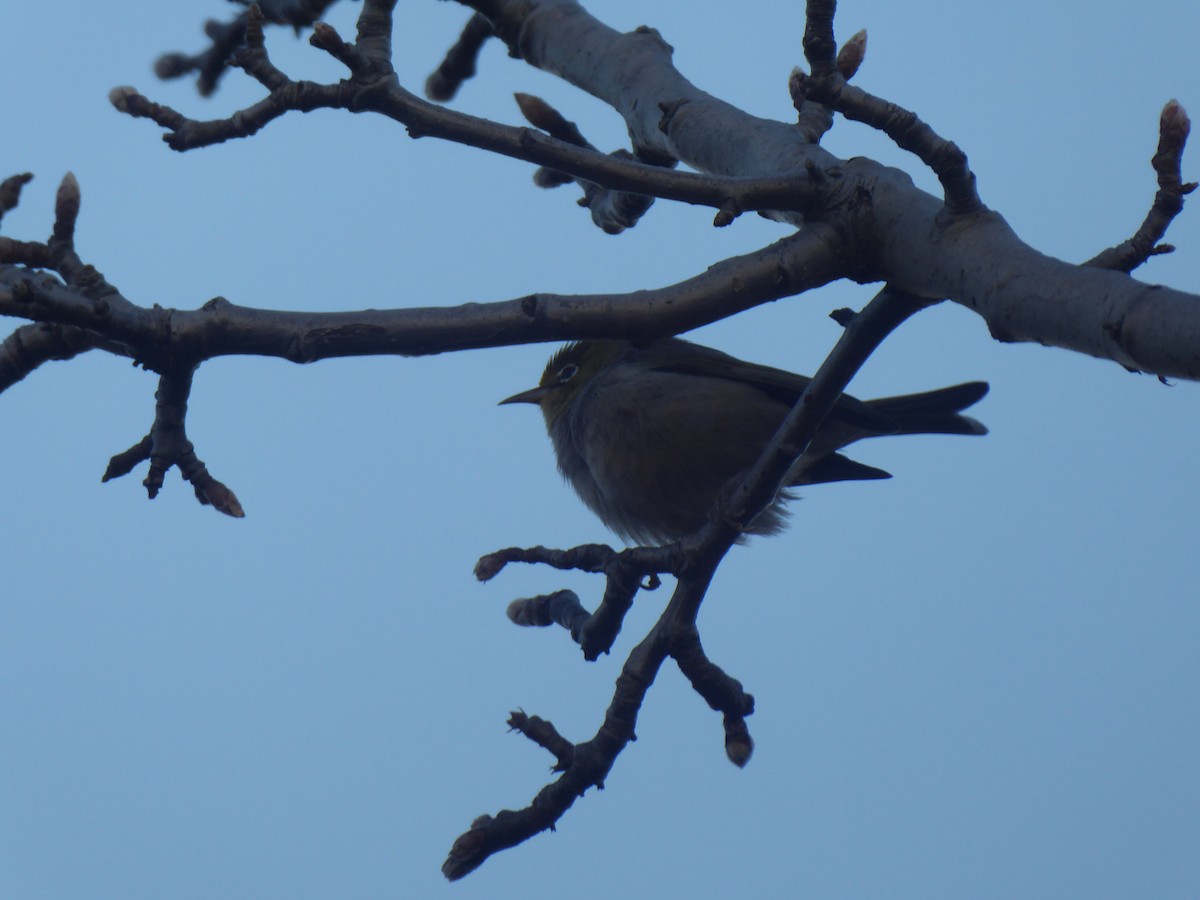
x=533, y=395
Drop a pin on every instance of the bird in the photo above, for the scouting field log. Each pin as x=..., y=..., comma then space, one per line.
x=650, y=434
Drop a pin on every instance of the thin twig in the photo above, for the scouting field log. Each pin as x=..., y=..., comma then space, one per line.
x=460, y=61
x=1173, y=129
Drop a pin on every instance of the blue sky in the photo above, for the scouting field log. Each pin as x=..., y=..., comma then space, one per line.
x=975, y=680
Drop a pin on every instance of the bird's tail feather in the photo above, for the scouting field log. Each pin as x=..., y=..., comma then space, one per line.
x=835, y=467
x=935, y=412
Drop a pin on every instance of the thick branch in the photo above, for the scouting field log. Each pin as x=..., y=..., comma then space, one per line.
x=976, y=261
x=1027, y=296
x=161, y=338
x=888, y=229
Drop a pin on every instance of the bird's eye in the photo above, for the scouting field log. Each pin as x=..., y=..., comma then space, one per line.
x=567, y=372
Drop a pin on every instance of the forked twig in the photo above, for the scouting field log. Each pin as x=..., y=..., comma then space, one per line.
x=675, y=635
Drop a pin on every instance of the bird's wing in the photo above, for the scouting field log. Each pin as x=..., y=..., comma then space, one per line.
x=785, y=387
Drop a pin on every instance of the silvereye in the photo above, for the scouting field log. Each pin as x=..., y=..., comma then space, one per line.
x=649, y=435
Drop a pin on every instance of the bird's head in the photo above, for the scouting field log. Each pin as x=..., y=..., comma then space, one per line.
x=569, y=371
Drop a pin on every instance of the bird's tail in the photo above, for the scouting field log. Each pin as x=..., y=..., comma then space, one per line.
x=934, y=412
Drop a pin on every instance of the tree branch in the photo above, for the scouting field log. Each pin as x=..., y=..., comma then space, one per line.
x=87, y=312
x=219, y=328
x=10, y=191
x=31, y=345
x=675, y=635
x=227, y=37
x=459, y=63
x=857, y=219
x=888, y=229
x=167, y=446
x=817, y=118
x=612, y=211
x=1173, y=129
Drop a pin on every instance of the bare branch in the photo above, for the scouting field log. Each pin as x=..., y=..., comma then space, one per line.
x=86, y=297
x=374, y=39
x=167, y=445
x=252, y=57
x=820, y=46
x=904, y=127
x=623, y=570
x=325, y=37
x=130, y=102
x=35, y=254
x=219, y=328
x=900, y=234
x=369, y=59
x=10, y=191
x=127, y=460
x=31, y=345
x=423, y=119
x=545, y=735
x=1173, y=129
x=560, y=608
x=815, y=119
x=863, y=335
x=589, y=765
x=858, y=220
x=613, y=211
x=721, y=691
x=459, y=64
x=828, y=85
x=90, y=312
x=584, y=558
x=226, y=37
x=674, y=635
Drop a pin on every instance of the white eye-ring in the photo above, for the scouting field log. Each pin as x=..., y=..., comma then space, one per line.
x=567, y=372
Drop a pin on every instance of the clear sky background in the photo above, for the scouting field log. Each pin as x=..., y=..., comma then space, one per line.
x=977, y=679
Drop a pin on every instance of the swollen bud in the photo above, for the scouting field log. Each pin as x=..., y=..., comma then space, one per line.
x=739, y=752
x=66, y=208
x=120, y=97
x=851, y=56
